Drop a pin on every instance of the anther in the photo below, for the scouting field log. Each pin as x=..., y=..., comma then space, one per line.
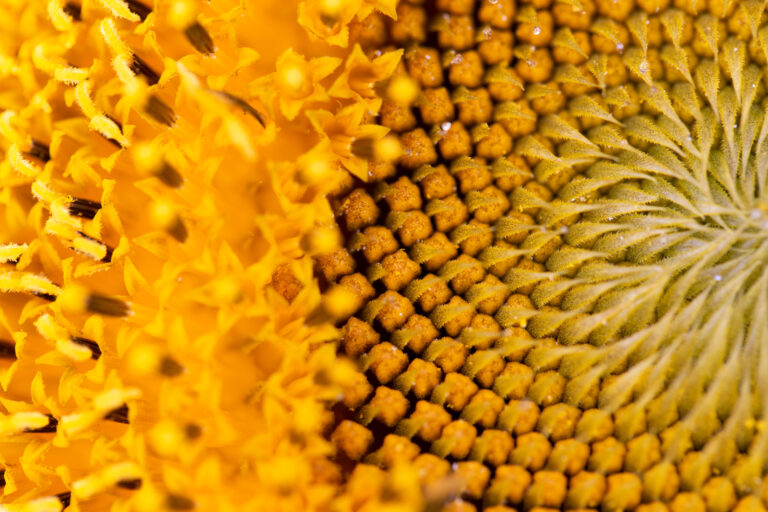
x=119, y=127
x=139, y=9
x=64, y=498
x=39, y=150
x=46, y=429
x=132, y=484
x=178, y=502
x=108, y=251
x=363, y=148
x=47, y=296
x=244, y=105
x=167, y=218
x=139, y=67
x=73, y=11
x=199, y=38
x=160, y=111
x=109, y=306
x=169, y=176
x=170, y=367
x=119, y=415
x=178, y=230
x=192, y=431
x=92, y=346
x=84, y=208
x=7, y=349
x=2, y=478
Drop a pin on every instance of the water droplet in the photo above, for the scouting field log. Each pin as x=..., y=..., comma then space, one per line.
x=536, y=31
x=445, y=127
x=718, y=277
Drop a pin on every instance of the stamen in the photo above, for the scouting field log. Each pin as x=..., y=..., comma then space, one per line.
x=160, y=111
x=199, y=38
x=47, y=296
x=92, y=345
x=178, y=502
x=139, y=9
x=97, y=303
x=7, y=350
x=84, y=208
x=193, y=431
x=12, y=253
x=362, y=148
x=168, y=219
x=47, y=429
x=139, y=67
x=92, y=248
x=119, y=415
x=244, y=105
x=169, y=176
x=170, y=368
x=39, y=151
x=73, y=11
x=178, y=231
x=119, y=125
x=65, y=498
x=132, y=484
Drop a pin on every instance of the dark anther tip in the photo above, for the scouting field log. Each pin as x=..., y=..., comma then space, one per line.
x=178, y=231
x=108, y=306
x=169, y=176
x=138, y=8
x=73, y=11
x=170, y=367
x=47, y=429
x=199, y=38
x=119, y=415
x=7, y=349
x=84, y=208
x=65, y=498
x=160, y=111
x=92, y=346
x=178, y=502
x=139, y=67
x=39, y=150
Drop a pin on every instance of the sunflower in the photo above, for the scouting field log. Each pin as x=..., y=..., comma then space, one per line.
x=382, y=255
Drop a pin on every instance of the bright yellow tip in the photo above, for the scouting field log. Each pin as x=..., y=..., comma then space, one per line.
x=332, y=8
x=322, y=240
x=181, y=14
x=340, y=302
x=403, y=90
x=388, y=149
x=294, y=78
